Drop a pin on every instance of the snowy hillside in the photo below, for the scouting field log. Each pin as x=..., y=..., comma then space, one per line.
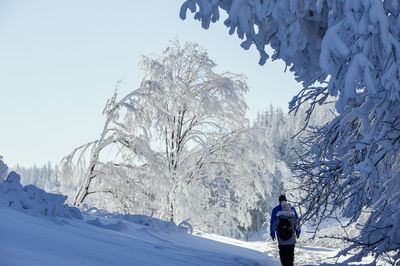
x=29, y=240
x=37, y=228
x=39, y=240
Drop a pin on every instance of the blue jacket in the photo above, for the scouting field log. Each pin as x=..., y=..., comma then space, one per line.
x=273, y=219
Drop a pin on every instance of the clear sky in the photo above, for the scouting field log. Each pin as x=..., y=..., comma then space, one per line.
x=60, y=59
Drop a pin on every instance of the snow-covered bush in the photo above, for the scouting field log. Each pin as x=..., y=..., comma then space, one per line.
x=35, y=201
x=153, y=224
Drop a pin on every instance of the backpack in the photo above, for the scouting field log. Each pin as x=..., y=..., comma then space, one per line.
x=285, y=229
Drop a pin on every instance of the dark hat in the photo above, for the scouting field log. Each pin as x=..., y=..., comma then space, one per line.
x=282, y=198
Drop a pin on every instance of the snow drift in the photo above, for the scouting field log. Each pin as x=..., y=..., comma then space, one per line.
x=33, y=200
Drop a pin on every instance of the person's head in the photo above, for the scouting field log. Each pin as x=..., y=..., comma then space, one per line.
x=285, y=205
x=282, y=198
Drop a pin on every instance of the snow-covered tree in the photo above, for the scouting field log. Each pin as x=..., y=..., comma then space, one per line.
x=42, y=177
x=90, y=172
x=3, y=169
x=282, y=130
x=349, y=50
x=238, y=189
x=181, y=108
x=179, y=147
x=190, y=108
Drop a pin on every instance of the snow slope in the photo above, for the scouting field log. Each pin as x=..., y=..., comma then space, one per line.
x=38, y=228
x=40, y=240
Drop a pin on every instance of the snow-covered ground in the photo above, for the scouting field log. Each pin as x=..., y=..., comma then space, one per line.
x=304, y=255
x=30, y=240
x=38, y=228
x=40, y=240
x=305, y=252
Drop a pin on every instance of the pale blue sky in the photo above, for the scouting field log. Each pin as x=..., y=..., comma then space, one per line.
x=59, y=61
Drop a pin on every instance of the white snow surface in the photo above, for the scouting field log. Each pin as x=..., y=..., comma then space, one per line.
x=37, y=228
x=39, y=240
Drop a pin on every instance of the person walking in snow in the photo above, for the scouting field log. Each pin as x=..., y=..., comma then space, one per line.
x=285, y=226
